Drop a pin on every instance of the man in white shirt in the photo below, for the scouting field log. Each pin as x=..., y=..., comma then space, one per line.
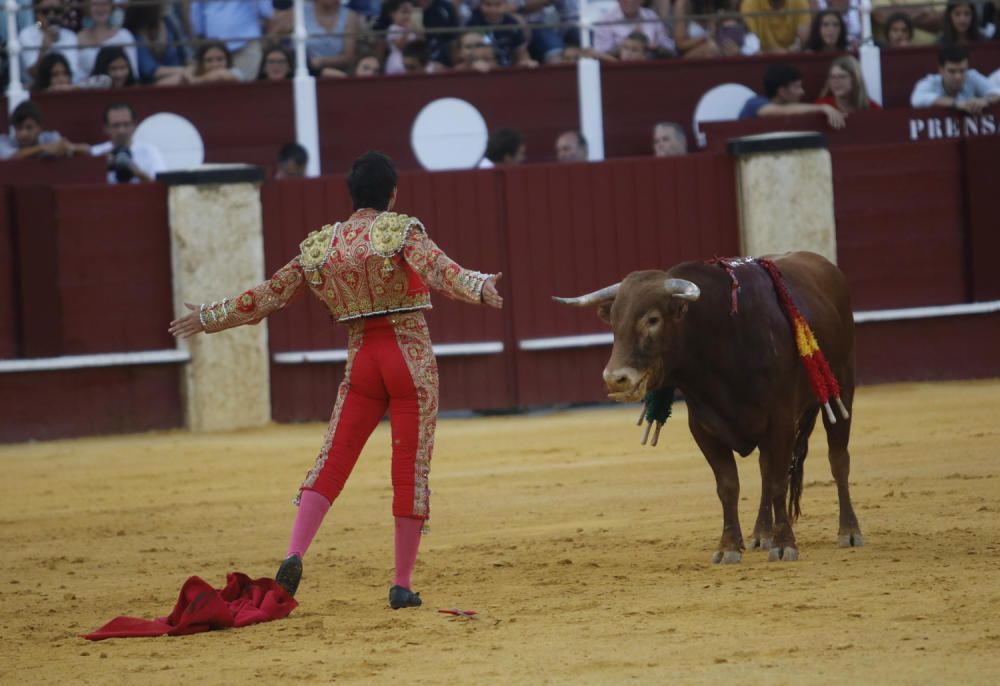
x=44, y=36
x=955, y=84
x=128, y=161
x=614, y=26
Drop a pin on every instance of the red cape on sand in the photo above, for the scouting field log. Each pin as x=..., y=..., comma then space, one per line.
x=202, y=608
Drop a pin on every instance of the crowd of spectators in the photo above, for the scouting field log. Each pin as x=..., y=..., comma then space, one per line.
x=113, y=44
x=179, y=42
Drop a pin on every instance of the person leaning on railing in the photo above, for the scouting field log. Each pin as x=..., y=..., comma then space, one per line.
x=845, y=87
x=159, y=35
x=103, y=33
x=30, y=140
x=955, y=85
x=783, y=94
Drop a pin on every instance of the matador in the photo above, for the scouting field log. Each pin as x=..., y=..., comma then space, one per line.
x=373, y=272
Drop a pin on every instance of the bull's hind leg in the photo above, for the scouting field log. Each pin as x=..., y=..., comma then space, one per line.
x=837, y=437
x=763, y=530
x=776, y=458
x=727, y=483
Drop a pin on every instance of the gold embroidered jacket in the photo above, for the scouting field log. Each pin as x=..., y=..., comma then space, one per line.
x=374, y=263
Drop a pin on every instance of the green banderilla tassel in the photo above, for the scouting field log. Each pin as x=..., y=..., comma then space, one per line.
x=656, y=408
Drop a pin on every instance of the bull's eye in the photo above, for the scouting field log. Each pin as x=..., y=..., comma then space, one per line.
x=653, y=320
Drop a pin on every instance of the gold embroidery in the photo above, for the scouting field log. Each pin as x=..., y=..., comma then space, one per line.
x=389, y=233
x=354, y=340
x=414, y=341
x=316, y=251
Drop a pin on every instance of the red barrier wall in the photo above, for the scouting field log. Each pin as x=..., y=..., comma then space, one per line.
x=900, y=227
x=8, y=279
x=94, y=269
x=981, y=175
x=93, y=277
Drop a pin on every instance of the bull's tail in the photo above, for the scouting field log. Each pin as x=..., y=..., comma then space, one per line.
x=799, y=452
x=795, y=487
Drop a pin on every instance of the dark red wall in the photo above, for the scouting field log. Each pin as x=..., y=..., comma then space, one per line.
x=8, y=279
x=900, y=224
x=981, y=173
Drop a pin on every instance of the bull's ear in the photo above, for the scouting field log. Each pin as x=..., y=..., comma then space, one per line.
x=604, y=311
x=679, y=308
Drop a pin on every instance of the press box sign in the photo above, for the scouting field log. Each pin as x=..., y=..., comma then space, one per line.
x=953, y=126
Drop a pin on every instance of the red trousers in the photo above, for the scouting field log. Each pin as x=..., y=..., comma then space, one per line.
x=390, y=366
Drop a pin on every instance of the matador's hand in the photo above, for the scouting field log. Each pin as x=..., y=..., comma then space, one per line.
x=490, y=295
x=187, y=326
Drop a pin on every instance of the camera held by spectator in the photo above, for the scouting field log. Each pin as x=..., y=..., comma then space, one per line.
x=121, y=163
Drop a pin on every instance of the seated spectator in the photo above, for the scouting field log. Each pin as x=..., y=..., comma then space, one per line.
x=401, y=31
x=634, y=47
x=292, y=162
x=113, y=62
x=726, y=36
x=955, y=85
x=961, y=24
x=129, y=161
x=616, y=23
x=572, y=52
x=845, y=87
x=277, y=64
x=332, y=29
x=417, y=57
x=778, y=33
x=927, y=19
x=571, y=146
x=240, y=24
x=850, y=12
x=439, y=14
x=54, y=73
x=669, y=140
x=31, y=141
x=160, y=47
x=368, y=66
x=783, y=96
x=101, y=33
x=505, y=146
x=827, y=33
x=504, y=32
x=898, y=31
x=212, y=63
x=46, y=36
x=546, y=43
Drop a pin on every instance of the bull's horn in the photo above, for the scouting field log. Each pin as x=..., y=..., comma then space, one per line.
x=606, y=293
x=680, y=288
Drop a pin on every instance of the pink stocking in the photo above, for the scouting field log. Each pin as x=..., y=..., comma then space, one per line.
x=312, y=509
x=407, y=544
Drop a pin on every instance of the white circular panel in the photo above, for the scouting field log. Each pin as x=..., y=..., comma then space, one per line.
x=722, y=103
x=175, y=137
x=449, y=133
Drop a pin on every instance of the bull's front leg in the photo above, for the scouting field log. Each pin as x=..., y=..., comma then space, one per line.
x=727, y=482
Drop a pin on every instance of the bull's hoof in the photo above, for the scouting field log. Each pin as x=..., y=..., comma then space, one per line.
x=786, y=554
x=727, y=557
x=852, y=540
x=760, y=543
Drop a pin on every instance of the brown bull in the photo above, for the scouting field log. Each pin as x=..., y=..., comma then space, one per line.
x=737, y=365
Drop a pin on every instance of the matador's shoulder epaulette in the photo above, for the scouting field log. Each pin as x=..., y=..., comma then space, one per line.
x=316, y=249
x=389, y=232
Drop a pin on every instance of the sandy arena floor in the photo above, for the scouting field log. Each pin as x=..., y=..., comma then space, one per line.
x=587, y=555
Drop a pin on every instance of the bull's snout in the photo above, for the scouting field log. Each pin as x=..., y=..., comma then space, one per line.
x=621, y=380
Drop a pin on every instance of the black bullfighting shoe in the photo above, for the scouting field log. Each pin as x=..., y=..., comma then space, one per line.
x=289, y=574
x=400, y=597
